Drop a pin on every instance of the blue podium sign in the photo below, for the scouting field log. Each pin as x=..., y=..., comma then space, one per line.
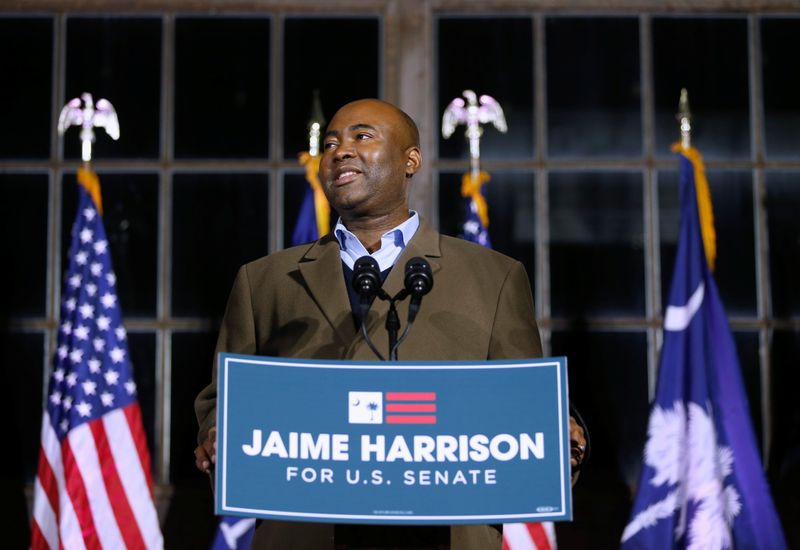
x=393, y=443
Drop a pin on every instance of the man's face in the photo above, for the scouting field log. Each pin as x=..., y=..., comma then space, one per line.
x=367, y=153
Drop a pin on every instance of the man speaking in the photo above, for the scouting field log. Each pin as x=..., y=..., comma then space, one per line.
x=299, y=303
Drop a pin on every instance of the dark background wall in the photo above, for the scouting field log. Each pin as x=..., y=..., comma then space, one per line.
x=214, y=100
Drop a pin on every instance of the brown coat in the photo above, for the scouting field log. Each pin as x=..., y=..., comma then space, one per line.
x=294, y=304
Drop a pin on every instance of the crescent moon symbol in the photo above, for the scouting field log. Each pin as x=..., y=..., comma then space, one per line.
x=357, y=403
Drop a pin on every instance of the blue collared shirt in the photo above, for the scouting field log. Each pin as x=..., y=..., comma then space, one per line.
x=393, y=242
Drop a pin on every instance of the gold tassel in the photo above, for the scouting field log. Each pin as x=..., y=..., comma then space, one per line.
x=321, y=206
x=91, y=183
x=471, y=187
x=704, y=206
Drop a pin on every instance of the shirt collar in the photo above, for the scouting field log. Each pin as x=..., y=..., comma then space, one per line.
x=393, y=242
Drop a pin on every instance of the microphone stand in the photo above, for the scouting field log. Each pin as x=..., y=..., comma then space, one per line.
x=366, y=282
x=393, y=324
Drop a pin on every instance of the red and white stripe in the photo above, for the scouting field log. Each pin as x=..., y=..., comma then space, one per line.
x=529, y=536
x=93, y=490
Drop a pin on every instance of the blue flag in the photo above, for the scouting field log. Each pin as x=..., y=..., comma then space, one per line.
x=702, y=483
x=473, y=227
x=234, y=533
x=305, y=230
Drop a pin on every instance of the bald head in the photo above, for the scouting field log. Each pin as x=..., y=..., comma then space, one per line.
x=408, y=131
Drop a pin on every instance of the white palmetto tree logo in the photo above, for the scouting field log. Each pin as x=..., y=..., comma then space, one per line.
x=682, y=449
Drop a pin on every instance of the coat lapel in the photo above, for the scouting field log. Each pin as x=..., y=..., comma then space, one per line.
x=321, y=268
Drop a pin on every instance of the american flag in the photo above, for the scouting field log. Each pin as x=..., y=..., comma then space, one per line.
x=93, y=487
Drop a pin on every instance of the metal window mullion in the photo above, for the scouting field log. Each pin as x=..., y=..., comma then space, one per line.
x=650, y=205
x=164, y=293
x=55, y=199
x=764, y=305
x=275, y=237
x=542, y=206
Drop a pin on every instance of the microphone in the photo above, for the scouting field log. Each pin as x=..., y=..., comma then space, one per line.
x=366, y=278
x=367, y=284
x=419, y=278
x=418, y=282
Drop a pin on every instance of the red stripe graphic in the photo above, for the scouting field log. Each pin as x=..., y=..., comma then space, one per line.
x=410, y=419
x=116, y=493
x=408, y=407
x=80, y=501
x=410, y=396
x=411, y=407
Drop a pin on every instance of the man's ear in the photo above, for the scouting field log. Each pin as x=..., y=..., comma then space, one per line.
x=413, y=161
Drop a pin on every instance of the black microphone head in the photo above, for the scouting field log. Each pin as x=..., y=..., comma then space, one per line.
x=366, y=276
x=419, y=277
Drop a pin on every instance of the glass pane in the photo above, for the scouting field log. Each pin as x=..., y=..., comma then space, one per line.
x=593, y=87
x=608, y=385
x=23, y=364
x=596, y=244
x=142, y=347
x=747, y=349
x=358, y=38
x=491, y=56
x=732, y=198
x=708, y=57
x=512, y=219
x=118, y=59
x=783, y=198
x=222, y=87
x=130, y=218
x=784, y=467
x=192, y=360
x=23, y=222
x=27, y=86
x=780, y=39
x=220, y=222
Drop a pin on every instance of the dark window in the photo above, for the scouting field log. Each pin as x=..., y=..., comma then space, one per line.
x=339, y=58
x=222, y=87
x=708, y=57
x=596, y=244
x=784, y=469
x=142, y=347
x=593, y=87
x=130, y=218
x=118, y=59
x=780, y=39
x=732, y=198
x=192, y=361
x=512, y=219
x=608, y=385
x=21, y=355
x=492, y=56
x=23, y=223
x=220, y=222
x=783, y=198
x=747, y=350
x=26, y=66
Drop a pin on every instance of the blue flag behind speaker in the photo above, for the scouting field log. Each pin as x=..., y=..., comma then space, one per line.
x=702, y=484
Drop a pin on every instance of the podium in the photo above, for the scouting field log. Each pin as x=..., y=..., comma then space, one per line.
x=405, y=443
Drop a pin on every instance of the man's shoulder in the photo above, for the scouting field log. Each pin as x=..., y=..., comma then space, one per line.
x=283, y=260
